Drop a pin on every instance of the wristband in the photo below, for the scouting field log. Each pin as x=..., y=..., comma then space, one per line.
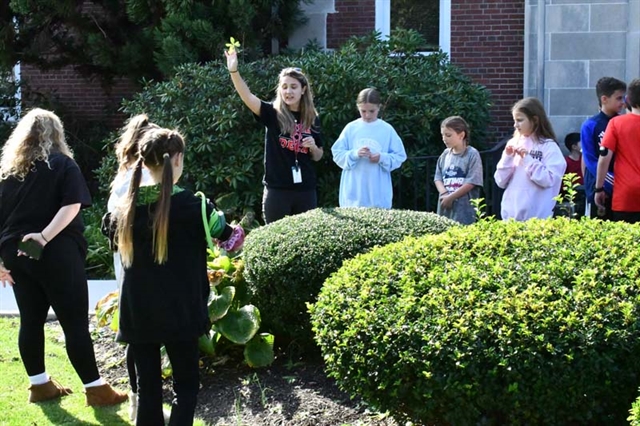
x=231, y=72
x=598, y=189
x=45, y=240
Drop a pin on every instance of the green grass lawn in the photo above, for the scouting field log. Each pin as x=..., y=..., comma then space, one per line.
x=69, y=410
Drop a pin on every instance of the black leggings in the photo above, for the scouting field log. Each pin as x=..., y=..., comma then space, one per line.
x=57, y=280
x=186, y=381
x=278, y=203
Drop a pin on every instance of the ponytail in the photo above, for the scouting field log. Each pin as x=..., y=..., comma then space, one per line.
x=161, y=215
x=126, y=214
x=127, y=146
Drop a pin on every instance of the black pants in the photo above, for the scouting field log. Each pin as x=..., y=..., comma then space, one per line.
x=278, y=203
x=57, y=280
x=184, y=361
x=131, y=369
x=629, y=217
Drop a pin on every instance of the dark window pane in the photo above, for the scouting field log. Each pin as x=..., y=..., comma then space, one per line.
x=420, y=15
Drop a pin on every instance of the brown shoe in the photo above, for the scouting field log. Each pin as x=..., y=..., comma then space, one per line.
x=98, y=396
x=47, y=391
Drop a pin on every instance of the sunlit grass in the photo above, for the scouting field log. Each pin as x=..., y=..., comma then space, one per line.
x=69, y=410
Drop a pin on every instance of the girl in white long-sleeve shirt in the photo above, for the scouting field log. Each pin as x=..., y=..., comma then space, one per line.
x=367, y=151
x=532, y=165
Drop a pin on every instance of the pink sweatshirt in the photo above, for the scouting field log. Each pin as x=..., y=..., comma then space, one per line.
x=531, y=182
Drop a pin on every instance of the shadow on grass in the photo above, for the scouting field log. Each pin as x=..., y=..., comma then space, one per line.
x=57, y=415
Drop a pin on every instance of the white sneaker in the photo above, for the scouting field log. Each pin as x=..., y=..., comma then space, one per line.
x=133, y=406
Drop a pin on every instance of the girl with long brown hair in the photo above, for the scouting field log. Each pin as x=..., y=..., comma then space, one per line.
x=160, y=234
x=532, y=165
x=292, y=141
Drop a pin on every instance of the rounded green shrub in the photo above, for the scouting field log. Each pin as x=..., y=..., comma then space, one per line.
x=287, y=261
x=495, y=323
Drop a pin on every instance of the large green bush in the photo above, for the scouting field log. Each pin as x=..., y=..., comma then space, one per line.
x=225, y=143
x=287, y=261
x=496, y=323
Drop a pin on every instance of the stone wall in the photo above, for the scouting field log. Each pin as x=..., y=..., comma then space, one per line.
x=570, y=45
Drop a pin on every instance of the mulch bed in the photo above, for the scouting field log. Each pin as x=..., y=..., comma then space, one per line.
x=285, y=393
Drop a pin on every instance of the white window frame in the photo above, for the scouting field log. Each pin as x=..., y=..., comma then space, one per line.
x=383, y=22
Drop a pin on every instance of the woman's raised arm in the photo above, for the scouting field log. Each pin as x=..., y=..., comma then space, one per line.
x=247, y=97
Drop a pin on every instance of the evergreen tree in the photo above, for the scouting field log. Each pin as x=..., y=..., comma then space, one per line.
x=138, y=38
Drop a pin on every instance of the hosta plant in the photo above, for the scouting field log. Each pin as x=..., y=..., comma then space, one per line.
x=234, y=320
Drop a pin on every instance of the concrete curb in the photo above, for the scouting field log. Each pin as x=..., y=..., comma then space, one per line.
x=97, y=290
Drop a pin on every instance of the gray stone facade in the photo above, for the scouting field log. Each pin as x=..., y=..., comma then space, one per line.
x=569, y=45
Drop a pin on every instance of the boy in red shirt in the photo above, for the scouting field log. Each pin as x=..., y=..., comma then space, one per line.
x=622, y=137
x=574, y=159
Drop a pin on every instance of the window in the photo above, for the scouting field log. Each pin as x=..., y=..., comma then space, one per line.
x=431, y=18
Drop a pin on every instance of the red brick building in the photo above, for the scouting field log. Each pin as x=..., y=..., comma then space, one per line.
x=484, y=37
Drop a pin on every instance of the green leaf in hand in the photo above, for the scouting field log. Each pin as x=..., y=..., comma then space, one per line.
x=231, y=46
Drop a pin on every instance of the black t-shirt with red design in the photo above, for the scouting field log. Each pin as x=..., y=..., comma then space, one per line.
x=282, y=149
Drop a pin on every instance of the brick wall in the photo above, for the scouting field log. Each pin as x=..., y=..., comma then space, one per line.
x=353, y=17
x=83, y=98
x=487, y=41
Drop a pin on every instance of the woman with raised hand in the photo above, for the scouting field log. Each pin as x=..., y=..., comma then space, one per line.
x=292, y=141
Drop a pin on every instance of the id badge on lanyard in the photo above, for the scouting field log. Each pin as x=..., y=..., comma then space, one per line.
x=297, y=173
x=295, y=169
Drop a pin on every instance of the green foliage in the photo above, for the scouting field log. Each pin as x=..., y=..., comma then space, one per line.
x=235, y=322
x=138, y=38
x=99, y=262
x=567, y=198
x=225, y=143
x=634, y=413
x=287, y=261
x=9, y=104
x=501, y=322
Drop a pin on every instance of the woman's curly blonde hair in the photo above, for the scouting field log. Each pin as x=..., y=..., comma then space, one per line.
x=37, y=135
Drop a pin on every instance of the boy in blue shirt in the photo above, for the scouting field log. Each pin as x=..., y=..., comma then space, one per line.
x=610, y=93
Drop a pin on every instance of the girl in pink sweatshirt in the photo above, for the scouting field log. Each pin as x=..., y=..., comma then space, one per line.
x=532, y=165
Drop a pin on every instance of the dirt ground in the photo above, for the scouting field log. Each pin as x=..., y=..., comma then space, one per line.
x=285, y=394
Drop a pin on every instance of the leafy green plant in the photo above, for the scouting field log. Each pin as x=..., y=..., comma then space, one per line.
x=501, y=322
x=634, y=413
x=234, y=320
x=99, y=262
x=567, y=198
x=480, y=207
x=287, y=261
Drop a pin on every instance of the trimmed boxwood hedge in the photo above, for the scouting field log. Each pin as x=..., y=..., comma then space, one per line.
x=287, y=261
x=496, y=323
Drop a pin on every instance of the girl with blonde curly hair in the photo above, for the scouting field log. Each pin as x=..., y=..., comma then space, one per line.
x=43, y=252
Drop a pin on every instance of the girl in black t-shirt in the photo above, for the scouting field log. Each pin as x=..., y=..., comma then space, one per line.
x=292, y=141
x=160, y=234
x=41, y=194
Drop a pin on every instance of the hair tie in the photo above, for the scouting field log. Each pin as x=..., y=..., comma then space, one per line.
x=166, y=155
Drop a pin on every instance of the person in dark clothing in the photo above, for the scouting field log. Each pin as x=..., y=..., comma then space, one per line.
x=41, y=194
x=160, y=234
x=292, y=141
